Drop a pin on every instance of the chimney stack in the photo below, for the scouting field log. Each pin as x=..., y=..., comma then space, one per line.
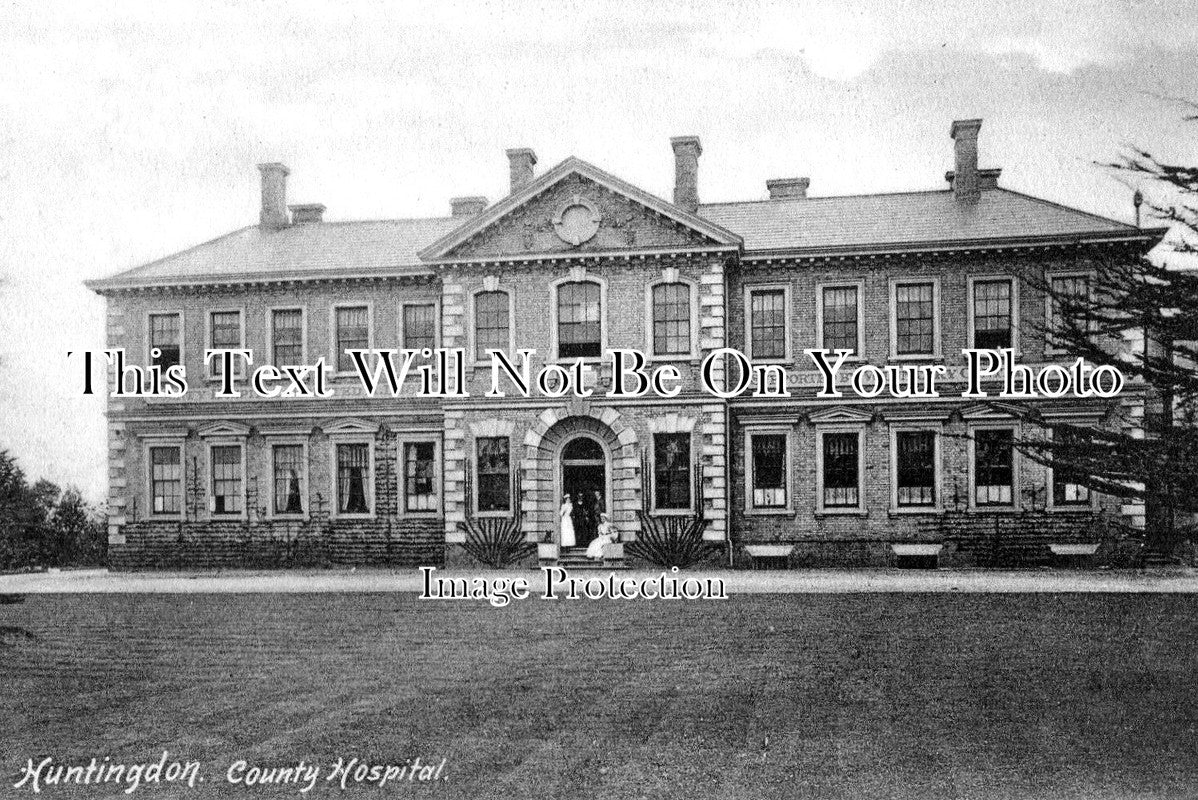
x=308, y=212
x=467, y=206
x=686, y=172
x=788, y=188
x=965, y=179
x=522, y=161
x=273, y=214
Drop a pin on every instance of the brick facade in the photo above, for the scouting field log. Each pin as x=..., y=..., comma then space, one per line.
x=577, y=225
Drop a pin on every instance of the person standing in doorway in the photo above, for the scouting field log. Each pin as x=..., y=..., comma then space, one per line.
x=567, y=516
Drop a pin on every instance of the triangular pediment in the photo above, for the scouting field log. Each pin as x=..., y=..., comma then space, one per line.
x=991, y=411
x=840, y=414
x=224, y=428
x=351, y=425
x=577, y=208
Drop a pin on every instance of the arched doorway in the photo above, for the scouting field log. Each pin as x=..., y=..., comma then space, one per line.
x=583, y=476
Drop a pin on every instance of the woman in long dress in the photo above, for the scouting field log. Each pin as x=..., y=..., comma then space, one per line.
x=607, y=535
x=567, y=522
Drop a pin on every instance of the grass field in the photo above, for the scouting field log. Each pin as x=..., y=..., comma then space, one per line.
x=883, y=695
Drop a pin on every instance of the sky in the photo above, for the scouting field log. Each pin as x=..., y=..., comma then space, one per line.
x=131, y=130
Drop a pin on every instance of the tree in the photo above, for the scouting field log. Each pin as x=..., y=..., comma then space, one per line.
x=1141, y=316
x=42, y=525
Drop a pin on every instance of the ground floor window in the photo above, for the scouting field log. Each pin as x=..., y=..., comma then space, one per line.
x=915, y=469
x=994, y=467
x=420, y=488
x=841, y=476
x=166, y=480
x=1065, y=491
x=768, y=469
x=672, y=470
x=494, y=473
x=353, y=477
x=227, y=495
x=288, y=469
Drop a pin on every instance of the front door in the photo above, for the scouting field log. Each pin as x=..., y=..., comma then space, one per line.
x=584, y=478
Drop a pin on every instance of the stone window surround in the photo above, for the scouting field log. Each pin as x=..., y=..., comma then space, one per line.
x=969, y=307
x=859, y=285
x=333, y=350
x=238, y=364
x=756, y=429
x=937, y=321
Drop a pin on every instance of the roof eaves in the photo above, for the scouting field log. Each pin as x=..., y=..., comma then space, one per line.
x=890, y=248
x=115, y=283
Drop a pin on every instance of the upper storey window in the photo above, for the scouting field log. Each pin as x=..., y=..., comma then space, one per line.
x=767, y=323
x=287, y=336
x=492, y=323
x=166, y=336
x=839, y=313
x=992, y=313
x=420, y=326
x=224, y=333
x=353, y=333
x=579, y=320
x=671, y=319
x=914, y=321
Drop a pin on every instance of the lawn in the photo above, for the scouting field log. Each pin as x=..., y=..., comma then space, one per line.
x=882, y=695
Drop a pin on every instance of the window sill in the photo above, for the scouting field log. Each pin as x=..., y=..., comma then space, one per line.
x=769, y=512
x=926, y=357
x=343, y=515
x=672, y=512
x=994, y=510
x=287, y=517
x=841, y=512
x=909, y=511
x=1088, y=508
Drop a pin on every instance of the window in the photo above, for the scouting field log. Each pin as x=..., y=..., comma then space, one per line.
x=224, y=333
x=1066, y=301
x=419, y=470
x=671, y=319
x=166, y=480
x=839, y=328
x=992, y=312
x=226, y=479
x=494, y=474
x=579, y=320
x=767, y=323
x=841, y=476
x=768, y=469
x=352, y=333
x=492, y=323
x=672, y=470
x=914, y=319
x=287, y=337
x=1065, y=492
x=166, y=336
x=420, y=326
x=915, y=469
x=288, y=469
x=353, y=478
x=994, y=467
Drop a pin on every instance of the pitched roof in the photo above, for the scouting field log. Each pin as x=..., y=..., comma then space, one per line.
x=860, y=223
x=905, y=220
x=307, y=250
